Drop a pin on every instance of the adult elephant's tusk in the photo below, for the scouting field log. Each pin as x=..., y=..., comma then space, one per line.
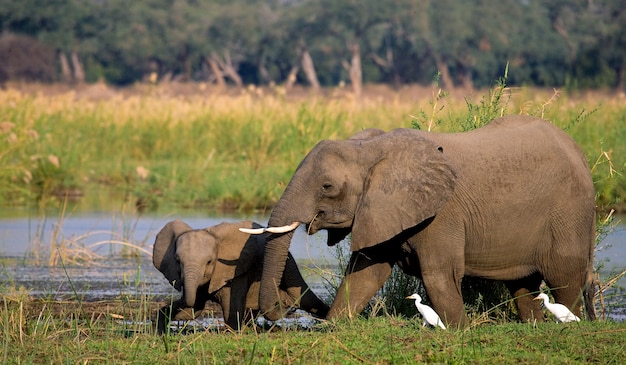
x=252, y=230
x=282, y=229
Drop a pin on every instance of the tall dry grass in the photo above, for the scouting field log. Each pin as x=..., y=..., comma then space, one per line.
x=238, y=149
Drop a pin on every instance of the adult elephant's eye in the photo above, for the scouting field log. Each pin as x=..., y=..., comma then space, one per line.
x=327, y=187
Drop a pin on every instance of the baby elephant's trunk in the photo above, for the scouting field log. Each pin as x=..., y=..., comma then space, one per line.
x=190, y=287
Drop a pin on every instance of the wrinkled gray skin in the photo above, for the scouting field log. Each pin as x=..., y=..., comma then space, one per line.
x=222, y=264
x=512, y=201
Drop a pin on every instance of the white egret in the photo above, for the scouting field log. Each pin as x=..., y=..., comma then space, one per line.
x=561, y=312
x=430, y=316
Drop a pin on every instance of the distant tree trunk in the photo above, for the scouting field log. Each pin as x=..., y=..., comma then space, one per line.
x=226, y=67
x=264, y=73
x=217, y=72
x=356, y=72
x=465, y=74
x=291, y=77
x=233, y=75
x=66, y=71
x=229, y=69
x=557, y=25
x=309, y=69
x=387, y=65
x=187, y=66
x=466, y=80
x=79, y=71
x=620, y=78
x=446, y=80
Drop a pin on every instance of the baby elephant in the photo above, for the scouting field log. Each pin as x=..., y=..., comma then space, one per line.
x=224, y=265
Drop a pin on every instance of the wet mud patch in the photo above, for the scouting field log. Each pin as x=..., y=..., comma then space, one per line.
x=123, y=295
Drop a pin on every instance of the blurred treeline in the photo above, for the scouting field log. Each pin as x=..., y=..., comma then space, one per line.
x=565, y=43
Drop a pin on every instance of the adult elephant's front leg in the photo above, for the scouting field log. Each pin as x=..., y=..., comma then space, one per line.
x=364, y=276
x=232, y=299
x=444, y=291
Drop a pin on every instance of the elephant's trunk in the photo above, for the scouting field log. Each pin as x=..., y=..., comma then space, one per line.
x=191, y=281
x=276, y=251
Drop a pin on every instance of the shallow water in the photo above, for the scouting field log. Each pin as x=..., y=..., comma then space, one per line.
x=116, y=272
x=27, y=235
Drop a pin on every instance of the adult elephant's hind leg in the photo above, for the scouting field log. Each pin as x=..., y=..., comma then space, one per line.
x=568, y=268
x=567, y=289
x=364, y=276
x=524, y=291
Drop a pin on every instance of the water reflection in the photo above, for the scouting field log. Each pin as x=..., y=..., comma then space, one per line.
x=33, y=236
x=115, y=270
x=37, y=237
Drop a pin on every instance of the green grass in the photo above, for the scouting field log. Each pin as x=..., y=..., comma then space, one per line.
x=41, y=333
x=238, y=152
x=119, y=331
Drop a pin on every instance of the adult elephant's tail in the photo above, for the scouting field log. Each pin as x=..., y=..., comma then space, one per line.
x=589, y=295
x=589, y=292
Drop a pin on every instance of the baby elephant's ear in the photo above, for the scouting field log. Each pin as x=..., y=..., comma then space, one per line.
x=237, y=252
x=164, y=251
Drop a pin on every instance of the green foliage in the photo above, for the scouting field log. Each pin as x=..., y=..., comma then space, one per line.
x=432, y=120
x=573, y=43
x=396, y=289
x=488, y=299
x=119, y=334
x=239, y=152
x=489, y=108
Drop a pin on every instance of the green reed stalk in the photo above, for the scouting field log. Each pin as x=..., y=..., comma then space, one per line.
x=238, y=152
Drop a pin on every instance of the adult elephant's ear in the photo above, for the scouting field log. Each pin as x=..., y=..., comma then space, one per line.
x=164, y=251
x=237, y=252
x=410, y=181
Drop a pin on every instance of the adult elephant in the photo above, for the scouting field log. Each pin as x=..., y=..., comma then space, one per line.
x=222, y=264
x=512, y=201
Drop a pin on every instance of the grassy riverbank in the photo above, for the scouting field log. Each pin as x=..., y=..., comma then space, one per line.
x=115, y=332
x=186, y=145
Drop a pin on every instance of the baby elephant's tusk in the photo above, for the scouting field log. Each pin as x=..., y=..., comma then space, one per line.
x=282, y=229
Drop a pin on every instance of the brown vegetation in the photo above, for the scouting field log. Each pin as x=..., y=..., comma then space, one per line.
x=25, y=58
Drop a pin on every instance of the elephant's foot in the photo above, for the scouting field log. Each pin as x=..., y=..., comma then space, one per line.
x=343, y=306
x=364, y=277
x=174, y=312
x=529, y=312
x=162, y=320
x=524, y=291
x=339, y=312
